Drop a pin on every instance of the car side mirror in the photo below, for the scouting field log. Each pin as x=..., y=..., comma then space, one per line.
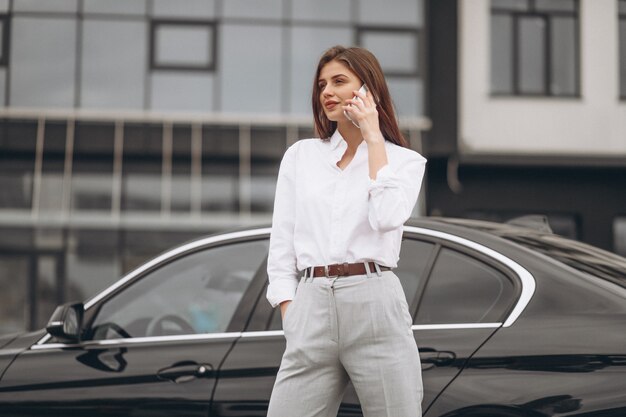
x=66, y=322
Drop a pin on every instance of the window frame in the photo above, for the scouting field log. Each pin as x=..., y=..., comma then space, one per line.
x=479, y=257
x=156, y=23
x=547, y=16
x=360, y=30
x=621, y=20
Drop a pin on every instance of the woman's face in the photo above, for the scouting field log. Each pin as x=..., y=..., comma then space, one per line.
x=336, y=84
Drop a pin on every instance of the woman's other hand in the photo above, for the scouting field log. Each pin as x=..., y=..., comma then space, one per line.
x=283, y=308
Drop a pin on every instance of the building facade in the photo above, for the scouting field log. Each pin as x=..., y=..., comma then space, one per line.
x=528, y=104
x=132, y=126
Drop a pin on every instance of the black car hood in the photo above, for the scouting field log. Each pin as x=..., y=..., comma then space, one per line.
x=20, y=340
x=6, y=339
x=14, y=344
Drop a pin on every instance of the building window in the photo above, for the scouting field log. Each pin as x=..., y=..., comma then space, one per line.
x=386, y=42
x=4, y=40
x=183, y=45
x=535, y=48
x=622, y=48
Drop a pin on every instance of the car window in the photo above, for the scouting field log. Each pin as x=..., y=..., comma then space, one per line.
x=411, y=271
x=463, y=289
x=414, y=257
x=197, y=293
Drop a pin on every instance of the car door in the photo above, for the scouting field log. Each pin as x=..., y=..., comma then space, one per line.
x=444, y=283
x=153, y=346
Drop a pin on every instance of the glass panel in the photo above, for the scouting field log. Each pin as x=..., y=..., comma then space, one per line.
x=2, y=23
x=411, y=269
x=622, y=57
x=181, y=169
x=514, y=5
x=268, y=146
x=619, y=236
x=51, y=196
x=4, y=5
x=622, y=7
x=184, y=45
x=501, y=54
x=244, y=90
x=93, y=262
x=195, y=294
x=396, y=51
x=220, y=169
x=532, y=65
x=479, y=293
x=113, y=64
x=555, y=5
x=403, y=12
x=36, y=41
x=268, y=9
x=182, y=91
x=17, y=163
x=564, y=63
x=407, y=95
x=134, y=7
x=307, y=45
x=3, y=85
x=139, y=247
x=45, y=6
x=324, y=10
x=14, y=274
x=47, y=287
x=92, y=177
x=193, y=8
x=141, y=168
x=14, y=238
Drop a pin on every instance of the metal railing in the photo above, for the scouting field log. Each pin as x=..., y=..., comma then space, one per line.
x=165, y=219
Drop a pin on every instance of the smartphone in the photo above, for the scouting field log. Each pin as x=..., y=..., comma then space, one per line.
x=363, y=90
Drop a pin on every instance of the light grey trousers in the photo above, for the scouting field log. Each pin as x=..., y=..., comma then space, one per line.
x=354, y=328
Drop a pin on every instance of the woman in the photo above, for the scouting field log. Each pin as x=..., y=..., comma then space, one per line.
x=340, y=205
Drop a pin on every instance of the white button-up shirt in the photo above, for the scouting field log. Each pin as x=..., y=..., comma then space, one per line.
x=324, y=215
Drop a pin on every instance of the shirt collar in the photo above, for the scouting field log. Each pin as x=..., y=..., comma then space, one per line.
x=336, y=139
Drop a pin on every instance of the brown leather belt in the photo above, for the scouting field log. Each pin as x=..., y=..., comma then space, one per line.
x=343, y=270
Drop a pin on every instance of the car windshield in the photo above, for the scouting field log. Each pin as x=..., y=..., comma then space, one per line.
x=578, y=255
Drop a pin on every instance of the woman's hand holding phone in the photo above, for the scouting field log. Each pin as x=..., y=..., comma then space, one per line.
x=361, y=111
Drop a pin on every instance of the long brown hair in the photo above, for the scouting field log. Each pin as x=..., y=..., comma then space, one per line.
x=365, y=65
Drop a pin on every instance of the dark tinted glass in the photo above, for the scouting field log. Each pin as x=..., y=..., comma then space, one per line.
x=14, y=273
x=411, y=270
x=556, y=5
x=501, y=53
x=267, y=147
x=142, y=167
x=18, y=140
x=92, y=176
x=462, y=289
x=531, y=55
x=515, y=5
x=198, y=293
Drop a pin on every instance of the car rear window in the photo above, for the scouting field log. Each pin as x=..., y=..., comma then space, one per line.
x=578, y=255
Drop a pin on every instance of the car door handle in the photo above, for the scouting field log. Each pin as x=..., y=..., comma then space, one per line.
x=431, y=358
x=185, y=372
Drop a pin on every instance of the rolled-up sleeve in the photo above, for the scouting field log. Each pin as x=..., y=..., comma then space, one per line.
x=281, y=262
x=393, y=194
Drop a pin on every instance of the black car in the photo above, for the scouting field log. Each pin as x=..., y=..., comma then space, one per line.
x=509, y=320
